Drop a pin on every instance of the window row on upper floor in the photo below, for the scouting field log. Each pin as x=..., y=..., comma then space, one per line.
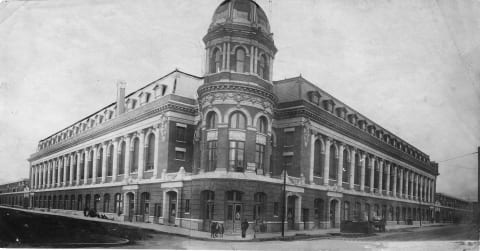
x=240, y=59
x=351, y=117
x=238, y=120
x=133, y=101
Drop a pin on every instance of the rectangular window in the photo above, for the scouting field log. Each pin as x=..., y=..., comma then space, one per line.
x=237, y=155
x=275, y=209
x=289, y=139
x=181, y=132
x=211, y=155
x=288, y=162
x=259, y=156
x=187, y=206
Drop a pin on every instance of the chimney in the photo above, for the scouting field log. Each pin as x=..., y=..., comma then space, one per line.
x=120, y=97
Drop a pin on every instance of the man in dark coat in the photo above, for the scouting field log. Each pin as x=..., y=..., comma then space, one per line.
x=244, y=227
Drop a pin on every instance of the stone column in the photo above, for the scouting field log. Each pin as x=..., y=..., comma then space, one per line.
x=429, y=189
x=312, y=159
x=155, y=154
x=387, y=186
x=410, y=188
x=380, y=174
x=352, y=168
x=420, y=189
x=128, y=150
x=141, y=152
x=86, y=165
x=326, y=162
x=401, y=182
x=115, y=160
x=228, y=60
x=252, y=49
x=59, y=173
x=70, y=178
x=44, y=174
x=407, y=174
x=79, y=156
x=104, y=162
x=49, y=176
x=32, y=176
x=372, y=173
x=362, y=173
x=224, y=56
x=65, y=166
x=94, y=167
x=340, y=165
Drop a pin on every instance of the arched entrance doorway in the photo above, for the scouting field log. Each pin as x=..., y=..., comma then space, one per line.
x=334, y=213
x=172, y=207
x=130, y=206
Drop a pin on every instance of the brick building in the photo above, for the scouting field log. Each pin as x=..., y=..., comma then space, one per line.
x=190, y=150
x=15, y=193
x=452, y=209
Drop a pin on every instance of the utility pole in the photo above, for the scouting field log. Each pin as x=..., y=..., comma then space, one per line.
x=284, y=201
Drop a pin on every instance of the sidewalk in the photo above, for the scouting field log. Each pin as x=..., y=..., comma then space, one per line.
x=200, y=235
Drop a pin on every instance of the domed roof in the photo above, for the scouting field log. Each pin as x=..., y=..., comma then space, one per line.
x=245, y=12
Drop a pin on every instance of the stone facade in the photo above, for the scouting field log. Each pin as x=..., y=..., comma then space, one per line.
x=187, y=150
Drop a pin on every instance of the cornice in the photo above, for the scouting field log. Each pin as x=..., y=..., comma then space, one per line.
x=236, y=87
x=126, y=119
x=341, y=126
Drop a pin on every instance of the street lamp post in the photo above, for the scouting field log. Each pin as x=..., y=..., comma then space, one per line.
x=284, y=200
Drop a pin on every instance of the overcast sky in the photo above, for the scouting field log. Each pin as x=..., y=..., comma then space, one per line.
x=411, y=66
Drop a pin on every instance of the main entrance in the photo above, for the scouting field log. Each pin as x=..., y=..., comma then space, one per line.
x=291, y=212
x=131, y=206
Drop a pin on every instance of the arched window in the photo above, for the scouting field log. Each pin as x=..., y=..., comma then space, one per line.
x=238, y=121
x=100, y=163
x=145, y=203
x=333, y=163
x=207, y=201
x=358, y=170
x=88, y=199
x=216, y=61
x=259, y=206
x=346, y=210
x=346, y=165
x=211, y=120
x=106, y=203
x=134, y=165
x=240, y=60
x=318, y=159
x=368, y=169
x=65, y=202
x=262, y=125
x=110, y=161
x=118, y=205
x=263, y=67
x=376, y=174
x=82, y=166
x=90, y=165
x=72, y=202
x=79, y=202
x=150, y=152
x=121, y=159
x=358, y=211
x=96, y=200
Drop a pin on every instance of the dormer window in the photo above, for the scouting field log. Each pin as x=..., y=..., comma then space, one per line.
x=341, y=112
x=328, y=105
x=371, y=129
x=314, y=97
x=352, y=118
x=362, y=124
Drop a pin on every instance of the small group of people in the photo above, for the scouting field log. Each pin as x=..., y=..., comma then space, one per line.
x=93, y=213
x=216, y=228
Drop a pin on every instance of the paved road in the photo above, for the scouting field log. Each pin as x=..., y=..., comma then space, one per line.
x=429, y=238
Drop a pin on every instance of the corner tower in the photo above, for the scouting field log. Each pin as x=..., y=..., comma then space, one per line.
x=236, y=100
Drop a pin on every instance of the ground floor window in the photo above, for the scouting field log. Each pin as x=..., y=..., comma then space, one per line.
x=106, y=203
x=118, y=206
x=346, y=210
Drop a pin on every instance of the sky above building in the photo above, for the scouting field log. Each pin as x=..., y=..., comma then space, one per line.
x=411, y=66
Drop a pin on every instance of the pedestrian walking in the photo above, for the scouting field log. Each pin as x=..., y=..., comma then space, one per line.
x=244, y=226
